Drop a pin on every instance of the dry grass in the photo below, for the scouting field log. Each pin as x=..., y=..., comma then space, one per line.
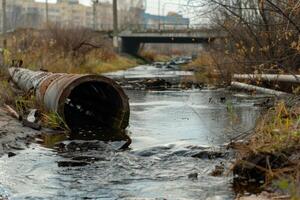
x=154, y=57
x=95, y=61
x=54, y=121
x=57, y=50
x=282, y=130
x=6, y=93
x=277, y=130
x=207, y=69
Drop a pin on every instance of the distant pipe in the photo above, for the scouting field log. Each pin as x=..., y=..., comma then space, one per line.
x=83, y=101
x=249, y=87
x=269, y=77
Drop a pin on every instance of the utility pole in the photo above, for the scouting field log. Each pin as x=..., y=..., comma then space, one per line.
x=159, y=21
x=47, y=13
x=4, y=22
x=95, y=2
x=115, y=24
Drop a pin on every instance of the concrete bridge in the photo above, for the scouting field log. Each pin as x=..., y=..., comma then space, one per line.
x=130, y=41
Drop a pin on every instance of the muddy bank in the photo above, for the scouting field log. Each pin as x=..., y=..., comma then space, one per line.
x=269, y=159
x=13, y=135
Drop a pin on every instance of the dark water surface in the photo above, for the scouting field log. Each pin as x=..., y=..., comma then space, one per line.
x=166, y=127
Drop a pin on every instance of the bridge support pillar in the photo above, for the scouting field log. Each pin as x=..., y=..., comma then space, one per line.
x=116, y=43
x=205, y=45
x=130, y=46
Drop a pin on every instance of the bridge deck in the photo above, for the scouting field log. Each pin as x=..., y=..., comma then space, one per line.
x=175, y=34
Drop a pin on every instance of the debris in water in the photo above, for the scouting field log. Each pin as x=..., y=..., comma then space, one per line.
x=193, y=176
x=11, y=154
x=72, y=164
x=32, y=120
x=210, y=155
x=219, y=170
x=35, y=126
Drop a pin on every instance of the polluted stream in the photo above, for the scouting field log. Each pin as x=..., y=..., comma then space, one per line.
x=172, y=133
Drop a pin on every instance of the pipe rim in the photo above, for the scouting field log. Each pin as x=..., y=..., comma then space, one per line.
x=79, y=79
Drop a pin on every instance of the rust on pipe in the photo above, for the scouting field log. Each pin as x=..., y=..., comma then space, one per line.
x=83, y=101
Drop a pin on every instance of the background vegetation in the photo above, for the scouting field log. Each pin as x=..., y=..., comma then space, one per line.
x=262, y=36
x=65, y=49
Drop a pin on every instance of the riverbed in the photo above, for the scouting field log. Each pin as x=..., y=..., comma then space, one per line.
x=167, y=128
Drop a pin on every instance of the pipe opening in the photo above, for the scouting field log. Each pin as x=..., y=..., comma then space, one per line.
x=93, y=106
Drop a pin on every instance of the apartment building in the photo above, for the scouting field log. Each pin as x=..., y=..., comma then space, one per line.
x=28, y=13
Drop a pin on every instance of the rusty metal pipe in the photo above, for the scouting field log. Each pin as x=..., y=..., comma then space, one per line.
x=82, y=100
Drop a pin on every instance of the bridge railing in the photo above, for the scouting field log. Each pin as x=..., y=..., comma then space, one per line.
x=165, y=27
x=156, y=27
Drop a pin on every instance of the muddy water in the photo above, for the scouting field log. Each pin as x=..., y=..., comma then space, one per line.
x=166, y=127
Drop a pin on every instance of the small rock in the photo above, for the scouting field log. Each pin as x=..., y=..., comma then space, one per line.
x=157, y=84
x=193, y=176
x=209, y=155
x=223, y=99
x=218, y=171
x=32, y=116
x=33, y=125
x=11, y=154
x=71, y=164
x=88, y=159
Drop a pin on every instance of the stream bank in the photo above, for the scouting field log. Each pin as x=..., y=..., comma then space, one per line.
x=269, y=159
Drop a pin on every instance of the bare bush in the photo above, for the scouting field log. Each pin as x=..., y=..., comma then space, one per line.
x=74, y=40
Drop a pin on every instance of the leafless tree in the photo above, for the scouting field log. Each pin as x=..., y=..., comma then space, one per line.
x=261, y=34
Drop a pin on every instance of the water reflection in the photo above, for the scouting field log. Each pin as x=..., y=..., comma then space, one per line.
x=189, y=116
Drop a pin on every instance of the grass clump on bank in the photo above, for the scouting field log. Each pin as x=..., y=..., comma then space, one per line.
x=6, y=94
x=54, y=121
x=207, y=70
x=271, y=157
